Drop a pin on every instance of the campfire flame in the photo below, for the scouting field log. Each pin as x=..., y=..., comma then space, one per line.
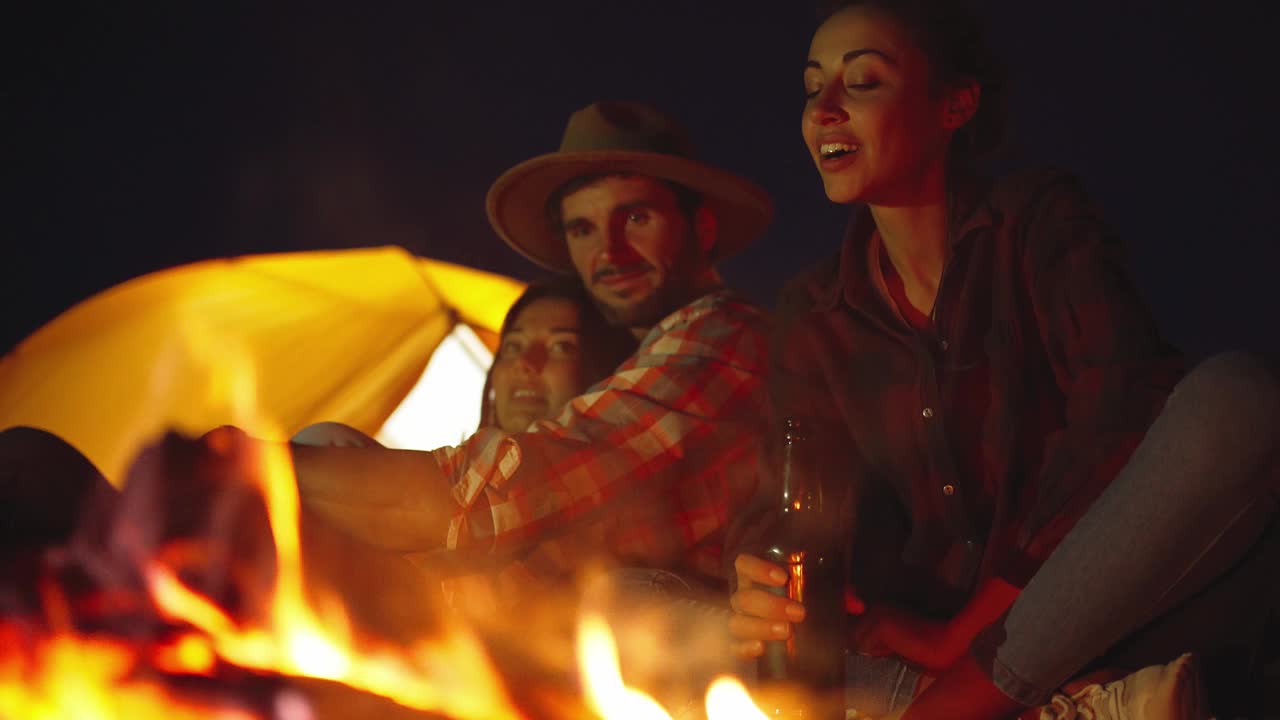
x=300, y=641
x=62, y=674
x=728, y=699
x=612, y=699
x=607, y=695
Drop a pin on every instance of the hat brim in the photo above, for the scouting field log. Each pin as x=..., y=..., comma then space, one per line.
x=517, y=201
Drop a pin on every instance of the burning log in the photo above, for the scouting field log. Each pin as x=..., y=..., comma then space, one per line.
x=184, y=596
x=189, y=552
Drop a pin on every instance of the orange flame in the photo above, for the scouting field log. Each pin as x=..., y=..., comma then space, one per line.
x=728, y=699
x=612, y=699
x=64, y=675
x=607, y=695
x=450, y=675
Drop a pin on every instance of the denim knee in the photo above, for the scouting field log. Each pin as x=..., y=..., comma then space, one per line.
x=1243, y=386
x=1233, y=402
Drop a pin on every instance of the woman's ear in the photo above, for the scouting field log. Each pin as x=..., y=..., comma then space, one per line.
x=960, y=104
x=706, y=229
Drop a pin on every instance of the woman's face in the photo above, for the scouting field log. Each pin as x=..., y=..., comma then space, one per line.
x=538, y=367
x=875, y=127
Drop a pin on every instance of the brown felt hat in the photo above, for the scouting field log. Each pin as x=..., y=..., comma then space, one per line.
x=619, y=138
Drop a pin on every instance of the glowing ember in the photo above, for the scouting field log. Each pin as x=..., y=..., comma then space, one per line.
x=65, y=676
x=188, y=654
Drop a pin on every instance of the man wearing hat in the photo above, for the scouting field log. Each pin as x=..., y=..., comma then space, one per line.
x=646, y=467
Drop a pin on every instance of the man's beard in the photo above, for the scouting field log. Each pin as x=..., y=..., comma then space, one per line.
x=680, y=286
x=646, y=313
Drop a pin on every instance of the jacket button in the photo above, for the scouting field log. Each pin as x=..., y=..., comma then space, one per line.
x=927, y=413
x=948, y=489
x=944, y=345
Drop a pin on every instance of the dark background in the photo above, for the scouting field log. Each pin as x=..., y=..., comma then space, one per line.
x=164, y=133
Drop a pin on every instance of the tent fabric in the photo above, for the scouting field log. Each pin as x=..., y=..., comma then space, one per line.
x=267, y=342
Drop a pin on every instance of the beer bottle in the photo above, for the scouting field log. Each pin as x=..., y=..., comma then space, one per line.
x=807, y=543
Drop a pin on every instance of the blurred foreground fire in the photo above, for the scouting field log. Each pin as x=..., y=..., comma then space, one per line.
x=193, y=657
x=186, y=597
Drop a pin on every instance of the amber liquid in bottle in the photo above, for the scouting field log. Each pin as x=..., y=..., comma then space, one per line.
x=804, y=675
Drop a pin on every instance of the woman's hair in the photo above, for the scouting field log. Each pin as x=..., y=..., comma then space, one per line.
x=602, y=346
x=951, y=35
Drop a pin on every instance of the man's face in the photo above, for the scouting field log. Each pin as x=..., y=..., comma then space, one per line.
x=633, y=247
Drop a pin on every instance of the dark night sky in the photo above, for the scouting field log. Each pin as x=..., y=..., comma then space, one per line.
x=164, y=134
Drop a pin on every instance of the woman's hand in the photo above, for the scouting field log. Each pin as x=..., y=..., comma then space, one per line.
x=932, y=644
x=760, y=615
x=885, y=630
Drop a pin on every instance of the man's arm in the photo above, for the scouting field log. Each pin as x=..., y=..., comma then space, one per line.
x=642, y=466
x=394, y=499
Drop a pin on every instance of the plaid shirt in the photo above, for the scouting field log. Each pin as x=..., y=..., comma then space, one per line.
x=977, y=442
x=644, y=468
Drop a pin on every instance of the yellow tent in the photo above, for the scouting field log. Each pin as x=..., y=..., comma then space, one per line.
x=274, y=342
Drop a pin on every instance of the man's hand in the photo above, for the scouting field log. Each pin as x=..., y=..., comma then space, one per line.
x=393, y=499
x=760, y=615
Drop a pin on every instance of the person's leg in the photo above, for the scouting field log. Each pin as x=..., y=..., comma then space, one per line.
x=1223, y=624
x=877, y=686
x=1196, y=495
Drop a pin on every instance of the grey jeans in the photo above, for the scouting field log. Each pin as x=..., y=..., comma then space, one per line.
x=1189, y=515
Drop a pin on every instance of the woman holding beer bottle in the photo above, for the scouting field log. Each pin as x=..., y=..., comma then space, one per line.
x=1025, y=493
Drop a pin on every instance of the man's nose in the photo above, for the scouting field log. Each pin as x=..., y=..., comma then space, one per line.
x=617, y=246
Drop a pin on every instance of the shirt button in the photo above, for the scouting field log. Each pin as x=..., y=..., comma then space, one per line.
x=948, y=489
x=944, y=345
x=927, y=413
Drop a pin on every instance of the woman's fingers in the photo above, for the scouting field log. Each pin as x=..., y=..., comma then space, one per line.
x=760, y=615
x=764, y=604
x=744, y=627
x=758, y=570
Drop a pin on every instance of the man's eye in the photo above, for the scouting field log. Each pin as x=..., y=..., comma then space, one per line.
x=871, y=85
x=638, y=217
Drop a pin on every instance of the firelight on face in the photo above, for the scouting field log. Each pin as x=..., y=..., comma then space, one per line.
x=873, y=122
x=538, y=367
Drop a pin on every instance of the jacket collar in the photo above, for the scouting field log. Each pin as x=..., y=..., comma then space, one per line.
x=858, y=276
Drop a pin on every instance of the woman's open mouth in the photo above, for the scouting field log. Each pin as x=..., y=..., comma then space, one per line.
x=836, y=155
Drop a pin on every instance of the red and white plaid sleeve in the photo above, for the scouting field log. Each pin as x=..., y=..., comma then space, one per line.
x=646, y=466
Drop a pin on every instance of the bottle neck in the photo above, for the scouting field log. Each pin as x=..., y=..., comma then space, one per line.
x=801, y=489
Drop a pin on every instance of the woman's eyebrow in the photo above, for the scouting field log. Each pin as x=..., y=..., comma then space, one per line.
x=521, y=329
x=851, y=56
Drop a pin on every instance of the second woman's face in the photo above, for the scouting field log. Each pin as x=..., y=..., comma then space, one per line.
x=872, y=122
x=538, y=367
